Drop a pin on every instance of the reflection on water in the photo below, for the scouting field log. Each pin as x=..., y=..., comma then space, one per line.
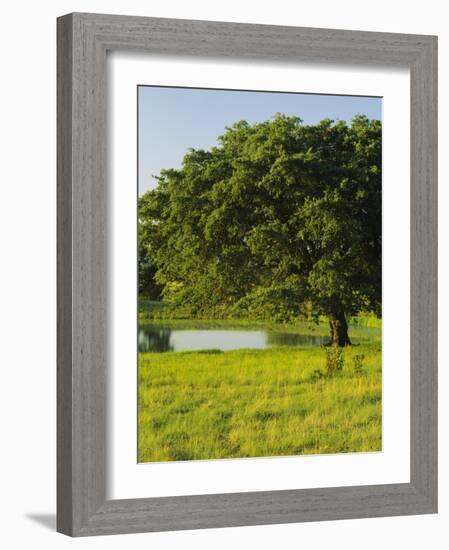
x=155, y=339
x=294, y=340
x=158, y=339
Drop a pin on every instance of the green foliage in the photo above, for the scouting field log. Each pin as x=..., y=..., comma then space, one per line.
x=278, y=219
x=148, y=286
x=334, y=359
x=247, y=403
x=357, y=361
x=366, y=320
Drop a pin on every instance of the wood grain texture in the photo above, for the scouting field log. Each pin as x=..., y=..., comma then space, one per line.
x=423, y=274
x=64, y=277
x=83, y=40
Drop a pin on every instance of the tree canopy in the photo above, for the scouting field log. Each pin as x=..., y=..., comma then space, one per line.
x=280, y=219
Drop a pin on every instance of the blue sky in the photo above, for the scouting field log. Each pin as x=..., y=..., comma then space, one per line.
x=172, y=120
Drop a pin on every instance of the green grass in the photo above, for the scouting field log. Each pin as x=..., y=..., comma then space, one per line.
x=250, y=403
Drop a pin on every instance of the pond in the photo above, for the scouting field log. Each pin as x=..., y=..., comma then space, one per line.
x=154, y=338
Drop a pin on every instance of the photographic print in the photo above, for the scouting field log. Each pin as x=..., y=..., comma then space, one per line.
x=259, y=274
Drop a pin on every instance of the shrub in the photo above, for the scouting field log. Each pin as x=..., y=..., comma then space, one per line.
x=317, y=375
x=357, y=362
x=334, y=359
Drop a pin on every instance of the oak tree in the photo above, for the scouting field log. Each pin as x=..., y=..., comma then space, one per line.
x=280, y=218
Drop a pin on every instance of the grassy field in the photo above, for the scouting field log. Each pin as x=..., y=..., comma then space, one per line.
x=249, y=403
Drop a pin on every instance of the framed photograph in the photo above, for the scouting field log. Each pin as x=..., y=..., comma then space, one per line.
x=247, y=274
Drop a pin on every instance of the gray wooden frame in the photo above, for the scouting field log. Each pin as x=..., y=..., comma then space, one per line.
x=83, y=40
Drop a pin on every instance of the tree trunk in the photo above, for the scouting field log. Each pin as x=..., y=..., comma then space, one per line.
x=339, y=329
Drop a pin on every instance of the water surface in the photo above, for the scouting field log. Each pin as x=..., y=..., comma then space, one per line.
x=154, y=338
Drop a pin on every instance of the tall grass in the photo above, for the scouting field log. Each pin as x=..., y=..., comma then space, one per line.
x=250, y=403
